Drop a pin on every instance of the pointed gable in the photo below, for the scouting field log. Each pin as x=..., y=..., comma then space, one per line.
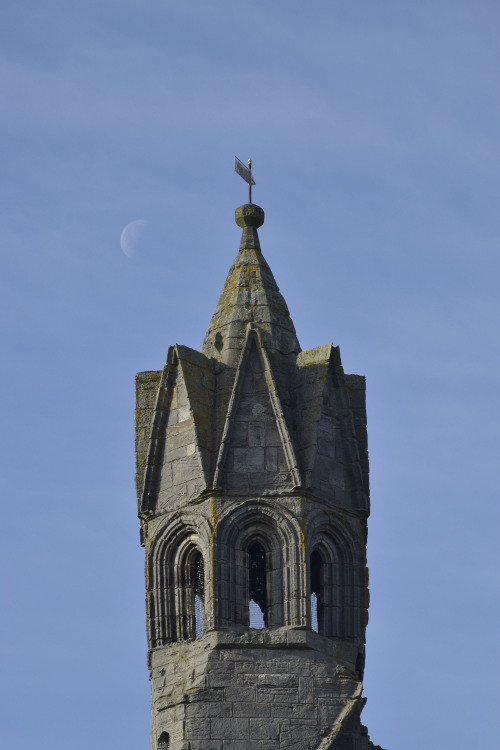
x=146, y=392
x=178, y=460
x=256, y=454
x=330, y=417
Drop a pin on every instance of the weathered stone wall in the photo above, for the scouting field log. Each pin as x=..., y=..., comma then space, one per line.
x=289, y=528
x=257, y=691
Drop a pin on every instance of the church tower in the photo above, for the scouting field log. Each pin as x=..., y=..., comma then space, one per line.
x=252, y=483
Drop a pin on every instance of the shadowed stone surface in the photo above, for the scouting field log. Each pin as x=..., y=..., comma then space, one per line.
x=252, y=441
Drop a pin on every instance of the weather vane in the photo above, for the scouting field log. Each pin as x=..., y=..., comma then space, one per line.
x=246, y=173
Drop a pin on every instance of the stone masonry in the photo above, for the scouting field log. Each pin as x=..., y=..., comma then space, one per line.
x=252, y=484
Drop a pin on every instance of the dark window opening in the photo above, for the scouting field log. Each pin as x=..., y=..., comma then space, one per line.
x=316, y=592
x=163, y=741
x=360, y=663
x=199, y=590
x=257, y=586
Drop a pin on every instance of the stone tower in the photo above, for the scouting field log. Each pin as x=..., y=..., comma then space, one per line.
x=252, y=482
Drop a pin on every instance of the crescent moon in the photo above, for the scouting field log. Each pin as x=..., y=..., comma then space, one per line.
x=131, y=236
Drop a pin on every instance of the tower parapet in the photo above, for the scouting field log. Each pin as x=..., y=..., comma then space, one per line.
x=252, y=483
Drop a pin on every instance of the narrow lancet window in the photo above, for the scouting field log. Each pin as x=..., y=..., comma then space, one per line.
x=316, y=593
x=199, y=591
x=257, y=586
x=163, y=741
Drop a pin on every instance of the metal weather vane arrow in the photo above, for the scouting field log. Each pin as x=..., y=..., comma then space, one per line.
x=246, y=174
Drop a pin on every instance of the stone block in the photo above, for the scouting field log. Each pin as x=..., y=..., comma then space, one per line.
x=329, y=710
x=271, y=680
x=220, y=677
x=294, y=711
x=249, y=459
x=176, y=453
x=143, y=418
x=271, y=459
x=184, y=413
x=239, y=434
x=173, y=417
x=301, y=738
x=178, y=436
x=185, y=469
x=264, y=729
x=277, y=695
x=266, y=482
x=197, y=729
x=326, y=445
x=256, y=434
x=207, y=710
x=251, y=709
x=306, y=689
x=205, y=695
x=313, y=356
x=230, y=729
x=146, y=399
x=297, y=637
x=237, y=482
x=240, y=693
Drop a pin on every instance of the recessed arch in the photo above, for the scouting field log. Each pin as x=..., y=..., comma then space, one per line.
x=337, y=575
x=239, y=530
x=175, y=564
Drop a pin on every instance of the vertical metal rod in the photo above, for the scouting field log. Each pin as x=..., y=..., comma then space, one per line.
x=250, y=183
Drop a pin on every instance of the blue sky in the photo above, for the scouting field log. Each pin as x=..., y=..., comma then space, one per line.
x=374, y=132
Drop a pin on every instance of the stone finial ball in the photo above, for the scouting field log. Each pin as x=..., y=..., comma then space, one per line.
x=249, y=215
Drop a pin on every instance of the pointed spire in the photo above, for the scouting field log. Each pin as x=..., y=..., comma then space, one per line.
x=250, y=295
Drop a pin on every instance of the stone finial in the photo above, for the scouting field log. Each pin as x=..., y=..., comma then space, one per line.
x=249, y=217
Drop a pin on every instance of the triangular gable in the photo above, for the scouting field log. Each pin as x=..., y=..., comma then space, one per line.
x=256, y=454
x=355, y=493
x=329, y=454
x=146, y=393
x=179, y=450
x=312, y=374
x=200, y=388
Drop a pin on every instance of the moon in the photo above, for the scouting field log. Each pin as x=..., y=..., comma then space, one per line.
x=131, y=236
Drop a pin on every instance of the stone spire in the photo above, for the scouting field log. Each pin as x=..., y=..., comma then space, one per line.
x=252, y=480
x=250, y=296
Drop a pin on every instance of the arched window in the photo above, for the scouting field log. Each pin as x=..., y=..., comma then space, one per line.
x=189, y=576
x=257, y=576
x=317, y=592
x=163, y=741
x=257, y=586
x=198, y=577
x=177, y=602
